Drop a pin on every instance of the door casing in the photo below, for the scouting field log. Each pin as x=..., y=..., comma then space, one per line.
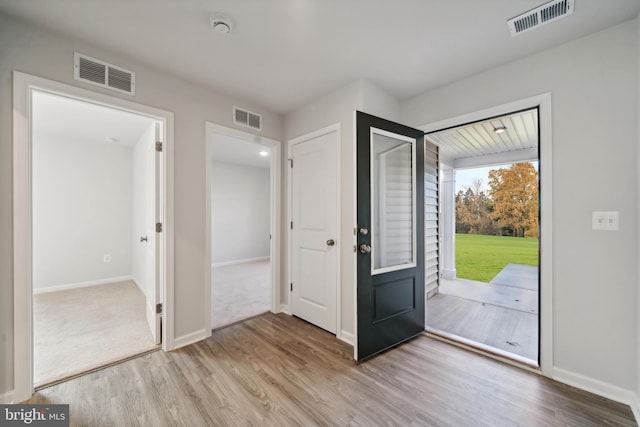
x=23, y=85
x=212, y=128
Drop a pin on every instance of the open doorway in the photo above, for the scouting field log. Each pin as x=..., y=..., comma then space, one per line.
x=242, y=203
x=94, y=252
x=488, y=295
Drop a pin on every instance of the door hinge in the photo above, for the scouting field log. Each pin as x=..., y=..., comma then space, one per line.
x=159, y=146
x=159, y=308
x=158, y=227
x=291, y=287
x=292, y=225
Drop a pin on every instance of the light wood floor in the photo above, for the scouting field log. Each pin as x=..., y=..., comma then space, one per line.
x=276, y=370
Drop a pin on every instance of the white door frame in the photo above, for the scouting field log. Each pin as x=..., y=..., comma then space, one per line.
x=274, y=244
x=23, y=85
x=312, y=135
x=543, y=103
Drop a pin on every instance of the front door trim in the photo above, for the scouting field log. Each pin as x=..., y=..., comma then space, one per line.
x=543, y=103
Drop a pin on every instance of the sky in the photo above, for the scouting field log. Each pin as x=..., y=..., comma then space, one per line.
x=465, y=177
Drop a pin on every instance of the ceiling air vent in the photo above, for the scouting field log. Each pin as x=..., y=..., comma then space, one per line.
x=247, y=118
x=541, y=15
x=100, y=73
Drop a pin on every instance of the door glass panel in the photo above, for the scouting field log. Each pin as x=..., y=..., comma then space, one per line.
x=393, y=201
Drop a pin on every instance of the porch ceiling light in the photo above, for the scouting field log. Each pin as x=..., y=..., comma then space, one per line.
x=500, y=129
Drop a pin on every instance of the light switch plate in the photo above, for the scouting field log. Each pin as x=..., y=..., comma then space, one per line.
x=607, y=221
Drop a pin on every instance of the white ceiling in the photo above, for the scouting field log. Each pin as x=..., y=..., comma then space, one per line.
x=61, y=117
x=286, y=53
x=477, y=144
x=228, y=149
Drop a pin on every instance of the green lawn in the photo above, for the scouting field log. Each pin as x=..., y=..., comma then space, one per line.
x=482, y=257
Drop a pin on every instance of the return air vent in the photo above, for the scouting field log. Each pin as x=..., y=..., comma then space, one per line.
x=247, y=118
x=102, y=74
x=541, y=15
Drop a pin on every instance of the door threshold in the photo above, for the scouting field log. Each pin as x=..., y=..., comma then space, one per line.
x=97, y=368
x=485, y=350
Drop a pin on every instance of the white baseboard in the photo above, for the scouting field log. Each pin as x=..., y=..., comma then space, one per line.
x=6, y=398
x=239, y=261
x=82, y=284
x=595, y=386
x=191, y=338
x=139, y=285
x=347, y=337
x=635, y=407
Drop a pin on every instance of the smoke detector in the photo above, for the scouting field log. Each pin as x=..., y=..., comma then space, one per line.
x=221, y=24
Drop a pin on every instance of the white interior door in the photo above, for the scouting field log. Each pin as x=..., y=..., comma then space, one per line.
x=314, y=244
x=154, y=245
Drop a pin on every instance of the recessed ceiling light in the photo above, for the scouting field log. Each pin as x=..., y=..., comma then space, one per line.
x=221, y=24
x=264, y=153
x=500, y=129
x=110, y=139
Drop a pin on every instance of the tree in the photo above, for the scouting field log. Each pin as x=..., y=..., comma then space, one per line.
x=472, y=210
x=514, y=192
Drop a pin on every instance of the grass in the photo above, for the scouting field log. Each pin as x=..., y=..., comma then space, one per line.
x=482, y=257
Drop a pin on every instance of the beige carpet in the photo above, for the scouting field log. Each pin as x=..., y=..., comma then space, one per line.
x=239, y=291
x=79, y=330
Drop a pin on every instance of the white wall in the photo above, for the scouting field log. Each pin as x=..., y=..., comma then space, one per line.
x=81, y=211
x=240, y=212
x=40, y=52
x=594, y=84
x=139, y=204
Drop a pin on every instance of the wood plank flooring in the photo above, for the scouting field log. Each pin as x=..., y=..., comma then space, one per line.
x=276, y=370
x=503, y=328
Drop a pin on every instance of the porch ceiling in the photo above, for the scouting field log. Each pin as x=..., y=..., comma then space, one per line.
x=477, y=144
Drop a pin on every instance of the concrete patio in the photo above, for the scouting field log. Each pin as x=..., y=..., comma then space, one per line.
x=502, y=314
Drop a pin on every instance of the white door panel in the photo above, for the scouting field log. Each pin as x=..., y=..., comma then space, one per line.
x=314, y=201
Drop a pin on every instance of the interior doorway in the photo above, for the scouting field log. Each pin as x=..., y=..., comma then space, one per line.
x=25, y=87
x=94, y=209
x=488, y=292
x=242, y=218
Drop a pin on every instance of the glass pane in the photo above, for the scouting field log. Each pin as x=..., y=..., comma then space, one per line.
x=392, y=202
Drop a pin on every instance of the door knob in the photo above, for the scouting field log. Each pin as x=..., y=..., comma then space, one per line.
x=365, y=249
x=330, y=242
x=143, y=239
x=364, y=231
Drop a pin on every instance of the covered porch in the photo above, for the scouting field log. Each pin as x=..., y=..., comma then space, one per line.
x=502, y=314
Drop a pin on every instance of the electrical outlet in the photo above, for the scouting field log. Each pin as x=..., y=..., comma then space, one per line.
x=106, y=258
x=606, y=221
